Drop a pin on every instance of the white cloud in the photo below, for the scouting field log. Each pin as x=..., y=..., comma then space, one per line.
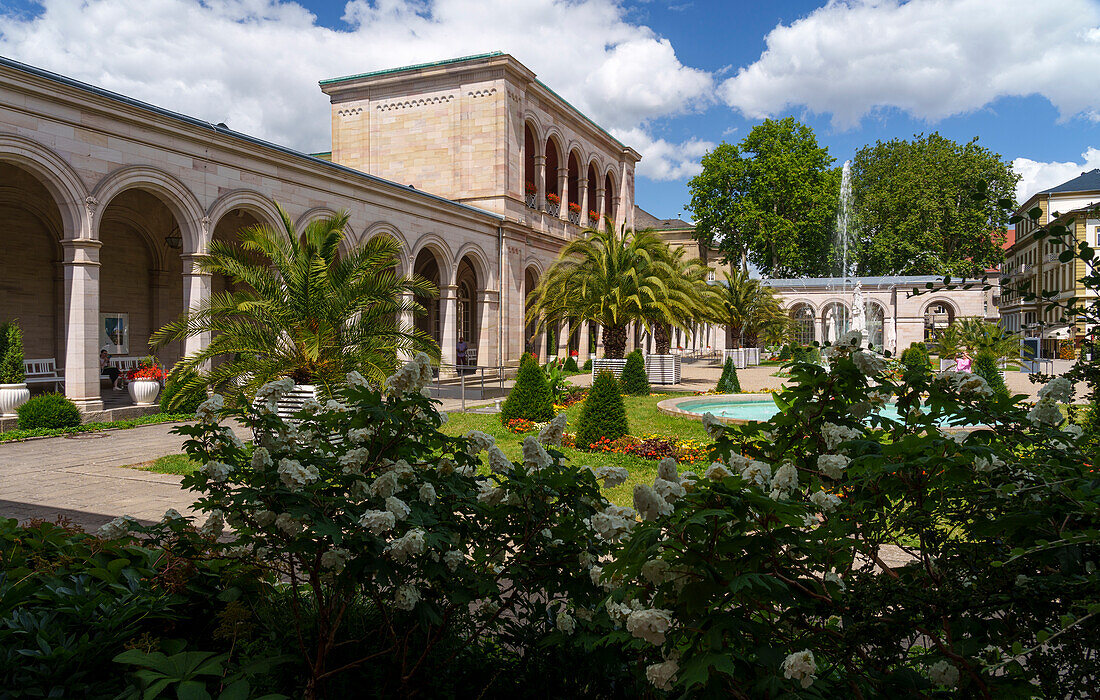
x=1036, y=176
x=930, y=58
x=664, y=160
x=254, y=64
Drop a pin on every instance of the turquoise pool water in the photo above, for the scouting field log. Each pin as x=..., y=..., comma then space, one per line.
x=749, y=410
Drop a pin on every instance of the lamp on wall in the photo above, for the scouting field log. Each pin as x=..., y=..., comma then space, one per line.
x=174, y=239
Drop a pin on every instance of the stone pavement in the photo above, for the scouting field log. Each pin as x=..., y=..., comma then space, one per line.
x=78, y=477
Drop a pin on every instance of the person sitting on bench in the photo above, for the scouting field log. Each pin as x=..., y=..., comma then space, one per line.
x=105, y=367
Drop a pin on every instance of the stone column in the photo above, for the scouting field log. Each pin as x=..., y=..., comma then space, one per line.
x=582, y=343
x=488, y=319
x=563, y=190
x=620, y=218
x=82, y=323
x=600, y=202
x=407, y=322
x=563, y=340
x=582, y=197
x=448, y=323
x=540, y=182
x=197, y=286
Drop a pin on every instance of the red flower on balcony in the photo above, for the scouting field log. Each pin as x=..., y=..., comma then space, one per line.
x=529, y=187
x=593, y=215
x=574, y=208
x=553, y=198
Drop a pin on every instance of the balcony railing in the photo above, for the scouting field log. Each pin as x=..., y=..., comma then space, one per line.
x=575, y=218
x=532, y=200
x=553, y=208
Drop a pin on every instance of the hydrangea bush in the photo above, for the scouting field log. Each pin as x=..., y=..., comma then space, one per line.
x=836, y=552
x=363, y=498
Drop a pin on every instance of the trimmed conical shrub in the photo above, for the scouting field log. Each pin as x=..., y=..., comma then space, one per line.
x=729, y=383
x=603, y=414
x=634, y=380
x=917, y=363
x=530, y=398
x=985, y=366
x=571, y=365
x=11, y=354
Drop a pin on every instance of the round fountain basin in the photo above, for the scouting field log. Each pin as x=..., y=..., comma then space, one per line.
x=737, y=408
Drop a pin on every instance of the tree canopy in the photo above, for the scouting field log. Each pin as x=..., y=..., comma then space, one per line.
x=770, y=200
x=915, y=210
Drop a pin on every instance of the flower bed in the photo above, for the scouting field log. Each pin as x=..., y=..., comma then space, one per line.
x=653, y=447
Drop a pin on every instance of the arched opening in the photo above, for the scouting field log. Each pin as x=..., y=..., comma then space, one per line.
x=427, y=267
x=574, y=179
x=530, y=151
x=31, y=271
x=469, y=324
x=553, y=192
x=592, y=207
x=530, y=336
x=874, y=315
x=141, y=275
x=937, y=317
x=836, y=321
x=227, y=230
x=609, y=197
x=802, y=317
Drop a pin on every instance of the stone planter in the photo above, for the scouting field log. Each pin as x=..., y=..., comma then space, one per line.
x=662, y=369
x=12, y=396
x=143, y=392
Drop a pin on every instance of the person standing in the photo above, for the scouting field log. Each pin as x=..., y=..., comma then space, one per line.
x=962, y=362
x=460, y=352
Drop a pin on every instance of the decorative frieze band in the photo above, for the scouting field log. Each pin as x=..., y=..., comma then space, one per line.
x=410, y=104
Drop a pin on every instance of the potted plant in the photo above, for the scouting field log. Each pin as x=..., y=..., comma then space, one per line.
x=143, y=383
x=575, y=213
x=553, y=203
x=530, y=192
x=593, y=217
x=13, y=385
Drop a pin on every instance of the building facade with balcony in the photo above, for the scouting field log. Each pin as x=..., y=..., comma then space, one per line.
x=107, y=203
x=1033, y=267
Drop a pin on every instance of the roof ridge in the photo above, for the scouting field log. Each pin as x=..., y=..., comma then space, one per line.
x=415, y=66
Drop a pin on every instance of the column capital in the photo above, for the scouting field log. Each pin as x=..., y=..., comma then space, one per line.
x=448, y=291
x=539, y=160
x=490, y=295
x=191, y=263
x=81, y=251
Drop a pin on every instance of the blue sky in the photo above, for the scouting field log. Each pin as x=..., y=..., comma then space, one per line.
x=670, y=77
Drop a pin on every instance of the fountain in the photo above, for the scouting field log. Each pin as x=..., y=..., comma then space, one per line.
x=859, y=321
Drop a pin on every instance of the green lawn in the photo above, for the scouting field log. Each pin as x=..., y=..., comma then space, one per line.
x=642, y=414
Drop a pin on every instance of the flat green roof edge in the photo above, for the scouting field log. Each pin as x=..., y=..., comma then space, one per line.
x=582, y=114
x=390, y=71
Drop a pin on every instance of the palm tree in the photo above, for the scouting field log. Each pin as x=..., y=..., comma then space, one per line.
x=689, y=287
x=751, y=310
x=974, y=335
x=299, y=309
x=611, y=279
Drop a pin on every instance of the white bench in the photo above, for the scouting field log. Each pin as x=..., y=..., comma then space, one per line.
x=43, y=371
x=124, y=365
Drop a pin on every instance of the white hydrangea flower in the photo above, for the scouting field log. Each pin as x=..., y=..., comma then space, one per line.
x=565, y=622
x=217, y=471
x=836, y=434
x=869, y=363
x=378, y=521
x=310, y=405
x=289, y=524
x=213, y=526
x=944, y=673
x=398, y=507
x=552, y=434
x=171, y=514
x=966, y=383
x=453, y=558
x=408, y=545
x=335, y=406
x=209, y=411
x=757, y=472
x=498, y=461
x=667, y=470
x=717, y=471
x=1058, y=389
x=534, y=456
x=688, y=479
x=261, y=458
x=490, y=495
x=801, y=667
x=357, y=380
x=354, y=459
x=384, y=485
x=833, y=466
x=295, y=475
x=668, y=490
x=427, y=493
x=116, y=528
x=479, y=441
x=334, y=560
x=611, y=476
x=824, y=500
x=406, y=597
x=656, y=571
x=784, y=481
x=649, y=624
x=1073, y=430
x=987, y=464
x=264, y=518
x=713, y=425
x=1045, y=412
x=662, y=675
x=613, y=522
x=649, y=503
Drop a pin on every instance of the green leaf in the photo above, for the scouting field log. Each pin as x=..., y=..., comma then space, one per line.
x=192, y=690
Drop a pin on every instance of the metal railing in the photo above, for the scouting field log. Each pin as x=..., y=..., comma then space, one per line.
x=463, y=378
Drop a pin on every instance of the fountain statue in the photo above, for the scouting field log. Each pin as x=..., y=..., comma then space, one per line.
x=859, y=321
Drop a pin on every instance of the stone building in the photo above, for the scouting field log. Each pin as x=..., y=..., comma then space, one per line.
x=481, y=173
x=894, y=316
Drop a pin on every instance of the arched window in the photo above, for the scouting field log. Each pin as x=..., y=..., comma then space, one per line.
x=937, y=317
x=803, y=317
x=875, y=321
x=465, y=312
x=836, y=321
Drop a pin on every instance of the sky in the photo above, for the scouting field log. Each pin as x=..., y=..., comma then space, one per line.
x=672, y=78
